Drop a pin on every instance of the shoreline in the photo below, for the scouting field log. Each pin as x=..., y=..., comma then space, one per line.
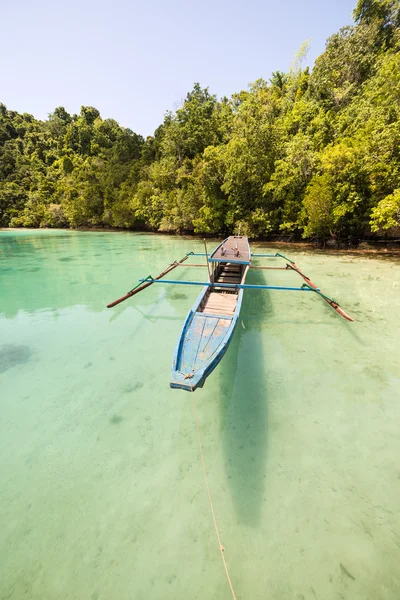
x=385, y=248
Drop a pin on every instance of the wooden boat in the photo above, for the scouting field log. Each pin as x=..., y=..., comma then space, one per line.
x=209, y=326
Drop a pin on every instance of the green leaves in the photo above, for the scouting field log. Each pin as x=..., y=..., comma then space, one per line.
x=12, y=201
x=303, y=154
x=385, y=13
x=318, y=203
x=386, y=215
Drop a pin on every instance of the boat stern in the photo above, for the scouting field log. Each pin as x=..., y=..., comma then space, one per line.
x=186, y=381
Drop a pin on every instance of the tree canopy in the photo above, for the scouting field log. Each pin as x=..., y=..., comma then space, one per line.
x=307, y=154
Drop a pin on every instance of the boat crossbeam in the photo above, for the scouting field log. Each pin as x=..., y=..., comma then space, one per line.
x=240, y=286
x=185, y=266
x=276, y=255
x=208, y=328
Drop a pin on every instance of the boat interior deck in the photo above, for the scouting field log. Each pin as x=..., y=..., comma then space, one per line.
x=220, y=300
x=235, y=248
x=220, y=303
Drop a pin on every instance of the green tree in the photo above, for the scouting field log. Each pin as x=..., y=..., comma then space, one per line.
x=318, y=204
x=304, y=154
x=387, y=214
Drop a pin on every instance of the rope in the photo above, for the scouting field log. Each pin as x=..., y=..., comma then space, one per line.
x=285, y=257
x=141, y=282
x=306, y=285
x=221, y=548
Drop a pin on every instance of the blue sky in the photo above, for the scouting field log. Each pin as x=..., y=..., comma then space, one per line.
x=135, y=60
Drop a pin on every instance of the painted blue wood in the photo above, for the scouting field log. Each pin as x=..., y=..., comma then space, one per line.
x=205, y=338
x=204, y=314
x=177, y=281
x=202, y=344
x=236, y=261
x=255, y=255
x=232, y=260
x=239, y=286
x=216, y=249
x=265, y=255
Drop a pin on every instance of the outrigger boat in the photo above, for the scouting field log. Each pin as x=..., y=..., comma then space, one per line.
x=209, y=326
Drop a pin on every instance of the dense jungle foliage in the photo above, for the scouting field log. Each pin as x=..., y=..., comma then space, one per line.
x=305, y=154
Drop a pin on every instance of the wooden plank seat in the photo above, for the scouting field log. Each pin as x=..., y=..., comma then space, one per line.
x=228, y=279
x=221, y=288
x=223, y=304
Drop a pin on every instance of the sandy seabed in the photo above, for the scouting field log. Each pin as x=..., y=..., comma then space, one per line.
x=102, y=493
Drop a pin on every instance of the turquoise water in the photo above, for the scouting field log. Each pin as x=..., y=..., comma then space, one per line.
x=102, y=494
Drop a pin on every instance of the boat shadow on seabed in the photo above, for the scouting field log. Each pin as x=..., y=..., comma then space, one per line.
x=243, y=408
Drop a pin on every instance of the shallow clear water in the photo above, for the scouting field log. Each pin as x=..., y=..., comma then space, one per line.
x=102, y=494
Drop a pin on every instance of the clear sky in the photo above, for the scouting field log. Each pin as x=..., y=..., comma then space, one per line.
x=133, y=60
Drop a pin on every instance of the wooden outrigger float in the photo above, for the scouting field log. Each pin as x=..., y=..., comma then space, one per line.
x=209, y=326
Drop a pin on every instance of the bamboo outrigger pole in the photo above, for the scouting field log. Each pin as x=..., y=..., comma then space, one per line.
x=292, y=265
x=309, y=284
x=144, y=285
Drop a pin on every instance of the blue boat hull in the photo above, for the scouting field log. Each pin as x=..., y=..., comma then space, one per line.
x=203, y=341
